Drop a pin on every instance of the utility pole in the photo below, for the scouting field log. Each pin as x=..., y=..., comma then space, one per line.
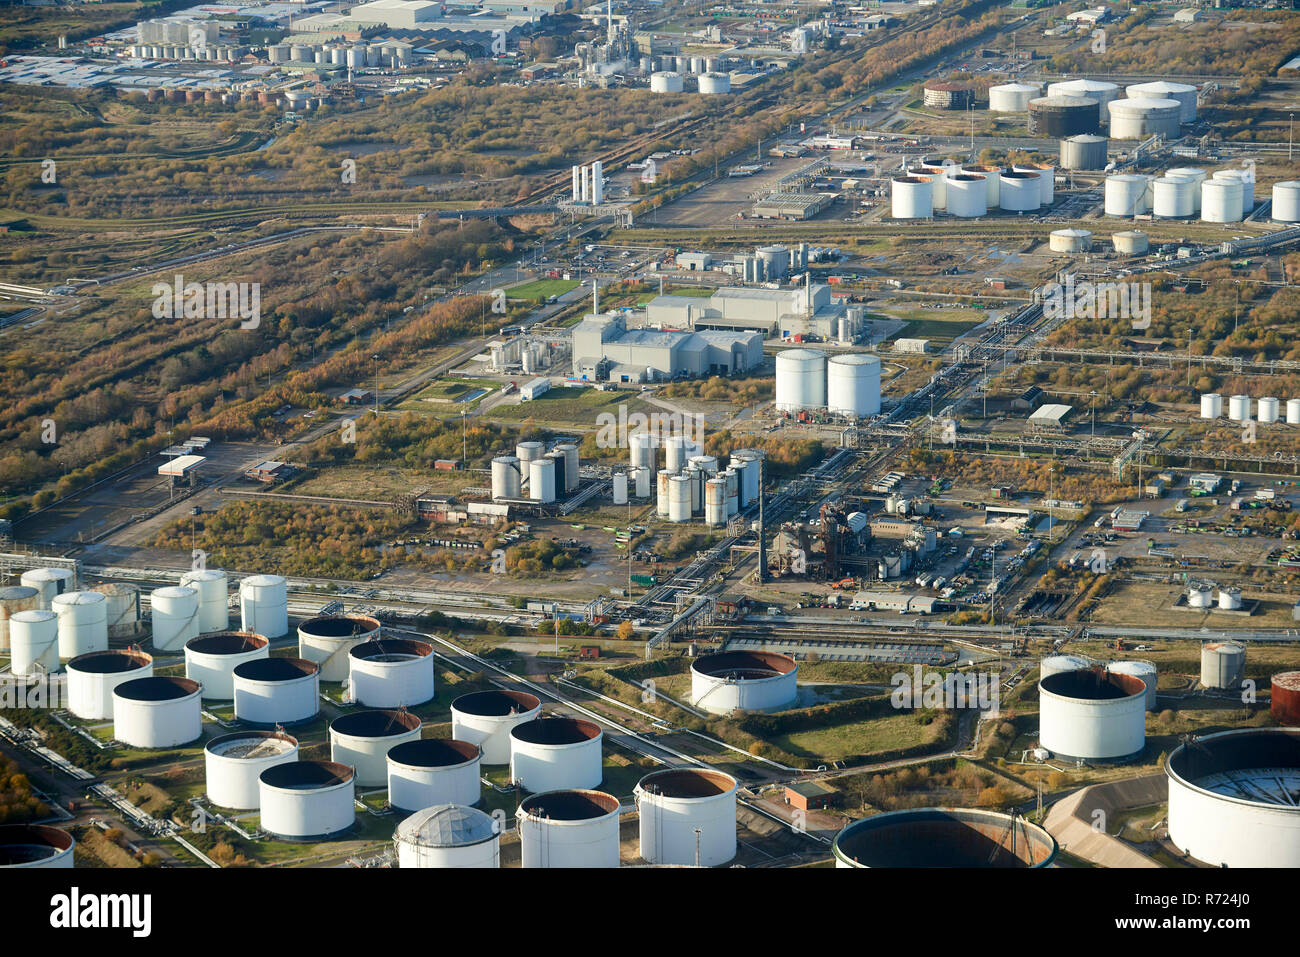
x=374, y=362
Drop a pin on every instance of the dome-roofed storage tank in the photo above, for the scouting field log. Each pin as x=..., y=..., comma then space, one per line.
x=570, y=828
x=1229, y=599
x=507, y=480
x=432, y=771
x=1239, y=408
x=1246, y=178
x=49, y=582
x=992, y=181
x=83, y=622
x=1284, y=698
x=448, y=835
x=233, y=765
x=1286, y=201
x=1221, y=201
x=272, y=691
x=1146, y=670
x=675, y=804
x=361, y=740
x=1055, y=664
x=1069, y=241
x=743, y=681
x=1130, y=242
x=391, y=673
x=157, y=712
x=486, y=717
x=1084, y=151
x=174, y=614
x=1012, y=97
x=1183, y=93
x=530, y=451
x=553, y=754
x=714, y=83
x=1137, y=119
x=852, y=388
x=33, y=642
x=327, y=639
x=1173, y=197
x=1126, y=194
x=212, y=659
x=35, y=845
x=1062, y=116
x=264, y=605
x=944, y=837
x=912, y=197
x=1103, y=91
x=1211, y=405
x=13, y=599
x=307, y=800
x=800, y=380
x=968, y=195
x=666, y=82
x=542, y=480
x=92, y=678
x=123, y=609
x=1020, y=192
x=1223, y=665
x=1092, y=715
x=214, y=598
x=1232, y=798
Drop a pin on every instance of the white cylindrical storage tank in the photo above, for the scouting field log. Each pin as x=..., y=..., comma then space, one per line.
x=569, y=828
x=214, y=598
x=233, y=763
x=571, y=466
x=1145, y=670
x=361, y=741
x=93, y=677
x=1019, y=192
x=1211, y=405
x=715, y=502
x=391, y=673
x=1239, y=408
x=174, y=613
x=553, y=754
x=666, y=82
x=1247, y=180
x=1293, y=411
x=695, y=482
x=433, y=771
x=620, y=488
x=1130, y=242
x=643, y=448
x=486, y=717
x=1223, y=665
x=35, y=845
x=123, y=609
x=944, y=837
x=1221, y=201
x=642, y=476
x=1231, y=798
x=83, y=622
x=1056, y=664
x=527, y=452
x=1137, y=119
x=13, y=599
x=1126, y=194
x=968, y=195
x=1200, y=595
x=1069, y=241
x=852, y=386
x=157, y=712
x=33, y=642
x=327, y=640
x=1046, y=174
x=679, y=499
x=276, y=690
x=1012, y=97
x=938, y=177
x=1267, y=409
x=307, y=800
x=1174, y=197
x=1183, y=93
x=912, y=197
x=264, y=606
x=1230, y=599
x=992, y=182
x=1286, y=202
x=1197, y=175
x=751, y=478
x=662, y=485
x=211, y=660
x=541, y=480
x=448, y=835
x=1083, y=151
x=507, y=481
x=1103, y=91
x=732, y=478
x=49, y=582
x=800, y=380
x=714, y=83
x=676, y=803
x=743, y=681
x=675, y=453
x=1092, y=715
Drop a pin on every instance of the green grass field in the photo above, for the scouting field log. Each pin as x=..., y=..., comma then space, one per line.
x=568, y=405
x=540, y=289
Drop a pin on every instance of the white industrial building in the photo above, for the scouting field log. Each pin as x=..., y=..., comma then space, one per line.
x=605, y=350
x=775, y=313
